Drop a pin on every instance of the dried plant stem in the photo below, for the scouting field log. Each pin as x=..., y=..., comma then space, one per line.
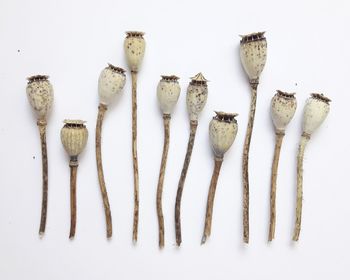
x=134, y=155
x=279, y=139
x=101, y=111
x=210, y=201
x=303, y=141
x=193, y=128
x=73, y=164
x=42, y=131
x=246, y=147
x=166, y=118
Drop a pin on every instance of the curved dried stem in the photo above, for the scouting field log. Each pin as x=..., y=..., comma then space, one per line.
x=101, y=111
x=134, y=156
x=45, y=175
x=210, y=201
x=193, y=128
x=303, y=141
x=279, y=140
x=166, y=118
x=246, y=147
x=73, y=164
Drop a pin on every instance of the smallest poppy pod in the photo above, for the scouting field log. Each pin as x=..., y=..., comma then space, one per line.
x=74, y=137
x=197, y=94
x=40, y=95
x=283, y=106
x=222, y=131
x=168, y=92
x=134, y=46
x=315, y=112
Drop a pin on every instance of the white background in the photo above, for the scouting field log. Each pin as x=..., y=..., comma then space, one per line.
x=72, y=41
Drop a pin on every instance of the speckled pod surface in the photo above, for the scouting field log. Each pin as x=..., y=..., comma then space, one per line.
x=315, y=112
x=168, y=92
x=283, y=106
x=40, y=95
x=253, y=49
x=222, y=132
x=74, y=137
x=110, y=84
x=197, y=94
x=134, y=46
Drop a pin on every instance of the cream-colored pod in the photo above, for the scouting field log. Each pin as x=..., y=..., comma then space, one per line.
x=283, y=106
x=40, y=95
x=315, y=112
x=74, y=137
x=134, y=46
x=253, y=50
x=222, y=132
x=168, y=92
x=197, y=94
x=110, y=84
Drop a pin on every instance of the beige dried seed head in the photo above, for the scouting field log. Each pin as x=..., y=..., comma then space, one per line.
x=315, y=112
x=134, y=46
x=40, y=95
x=197, y=94
x=74, y=137
x=222, y=132
x=253, y=48
x=283, y=106
x=168, y=92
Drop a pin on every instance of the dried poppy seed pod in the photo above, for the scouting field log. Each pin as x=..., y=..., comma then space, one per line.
x=40, y=95
x=222, y=131
x=74, y=136
x=283, y=106
x=134, y=46
x=315, y=112
x=110, y=84
x=253, y=49
x=197, y=94
x=168, y=92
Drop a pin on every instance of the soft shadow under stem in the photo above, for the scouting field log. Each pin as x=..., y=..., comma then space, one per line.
x=134, y=156
x=248, y=136
x=166, y=121
x=101, y=111
x=45, y=176
x=278, y=144
x=73, y=164
x=193, y=129
x=210, y=200
x=303, y=141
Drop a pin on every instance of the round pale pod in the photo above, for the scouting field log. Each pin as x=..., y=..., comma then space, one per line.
x=110, y=84
x=74, y=137
x=197, y=94
x=283, y=106
x=222, y=132
x=253, y=48
x=168, y=92
x=315, y=112
x=134, y=46
x=40, y=95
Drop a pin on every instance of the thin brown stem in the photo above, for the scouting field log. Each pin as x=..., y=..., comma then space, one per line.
x=193, y=128
x=246, y=147
x=73, y=164
x=134, y=155
x=278, y=144
x=101, y=111
x=166, y=118
x=210, y=201
x=303, y=141
x=45, y=175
